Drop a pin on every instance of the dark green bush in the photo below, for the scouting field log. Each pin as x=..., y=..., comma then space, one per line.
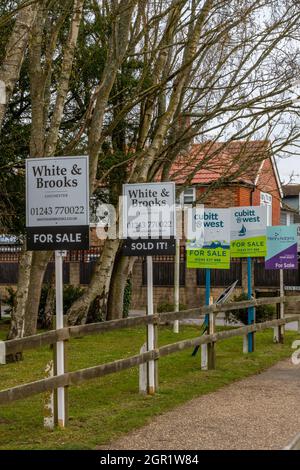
x=10, y=299
x=262, y=313
x=168, y=307
x=127, y=298
x=70, y=294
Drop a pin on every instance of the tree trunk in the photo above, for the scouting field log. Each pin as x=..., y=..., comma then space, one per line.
x=15, y=51
x=40, y=260
x=99, y=286
x=122, y=268
x=18, y=311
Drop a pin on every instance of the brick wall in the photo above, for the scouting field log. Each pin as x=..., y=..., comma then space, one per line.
x=226, y=196
x=267, y=183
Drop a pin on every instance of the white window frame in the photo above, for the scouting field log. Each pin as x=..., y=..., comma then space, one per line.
x=266, y=199
x=93, y=222
x=181, y=200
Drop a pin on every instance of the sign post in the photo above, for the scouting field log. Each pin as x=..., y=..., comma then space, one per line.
x=208, y=247
x=148, y=226
x=57, y=218
x=176, y=284
x=248, y=240
x=251, y=310
x=60, y=359
x=150, y=336
x=281, y=255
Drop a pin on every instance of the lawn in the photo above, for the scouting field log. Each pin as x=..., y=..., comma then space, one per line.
x=102, y=409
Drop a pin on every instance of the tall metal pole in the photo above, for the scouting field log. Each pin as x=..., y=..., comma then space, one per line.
x=250, y=309
x=176, y=284
x=150, y=339
x=204, y=347
x=60, y=364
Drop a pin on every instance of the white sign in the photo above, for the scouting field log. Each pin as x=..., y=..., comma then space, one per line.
x=149, y=210
x=208, y=227
x=57, y=203
x=248, y=231
x=57, y=191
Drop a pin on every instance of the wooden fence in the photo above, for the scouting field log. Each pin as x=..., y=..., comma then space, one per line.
x=79, y=376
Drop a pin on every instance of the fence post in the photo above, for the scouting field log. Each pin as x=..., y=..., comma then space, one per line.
x=143, y=372
x=2, y=352
x=49, y=414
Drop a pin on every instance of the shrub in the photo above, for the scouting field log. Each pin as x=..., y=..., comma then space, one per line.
x=262, y=312
x=70, y=294
x=168, y=307
x=127, y=298
x=10, y=299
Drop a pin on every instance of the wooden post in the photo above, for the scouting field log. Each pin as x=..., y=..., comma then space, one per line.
x=143, y=372
x=49, y=415
x=150, y=328
x=2, y=352
x=281, y=327
x=276, y=329
x=156, y=378
x=176, y=284
x=60, y=355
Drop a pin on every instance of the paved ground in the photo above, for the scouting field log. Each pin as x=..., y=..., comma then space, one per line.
x=260, y=412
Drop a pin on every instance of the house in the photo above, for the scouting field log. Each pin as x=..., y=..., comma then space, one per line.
x=217, y=174
x=290, y=211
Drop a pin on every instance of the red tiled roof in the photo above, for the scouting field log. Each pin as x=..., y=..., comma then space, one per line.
x=236, y=161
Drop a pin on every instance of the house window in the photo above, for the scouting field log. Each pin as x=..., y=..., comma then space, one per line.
x=266, y=200
x=187, y=197
x=98, y=209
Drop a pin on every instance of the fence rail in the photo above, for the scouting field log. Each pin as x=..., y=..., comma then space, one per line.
x=31, y=342
x=79, y=376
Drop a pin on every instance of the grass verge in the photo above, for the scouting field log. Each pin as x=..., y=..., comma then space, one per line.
x=103, y=409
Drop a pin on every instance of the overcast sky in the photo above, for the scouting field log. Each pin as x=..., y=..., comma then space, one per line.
x=287, y=166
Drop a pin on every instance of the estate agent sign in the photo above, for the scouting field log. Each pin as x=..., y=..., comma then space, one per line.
x=210, y=248
x=57, y=203
x=248, y=231
x=149, y=219
x=281, y=247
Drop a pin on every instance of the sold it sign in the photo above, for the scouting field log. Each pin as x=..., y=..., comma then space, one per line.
x=248, y=231
x=210, y=246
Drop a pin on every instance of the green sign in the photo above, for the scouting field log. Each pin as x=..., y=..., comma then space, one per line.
x=210, y=245
x=214, y=258
x=248, y=231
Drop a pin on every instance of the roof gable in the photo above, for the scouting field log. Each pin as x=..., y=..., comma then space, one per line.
x=235, y=161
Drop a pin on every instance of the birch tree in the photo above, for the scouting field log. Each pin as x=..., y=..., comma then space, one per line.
x=209, y=61
x=163, y=73
x=48, y=96
x=14, y=55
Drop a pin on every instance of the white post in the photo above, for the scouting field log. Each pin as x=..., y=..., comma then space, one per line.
x=2, y=352
x=245, y=344
x=60, y=366
x=150, y=340
x=49, y=399
x=143, y=372
x=176, y=284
